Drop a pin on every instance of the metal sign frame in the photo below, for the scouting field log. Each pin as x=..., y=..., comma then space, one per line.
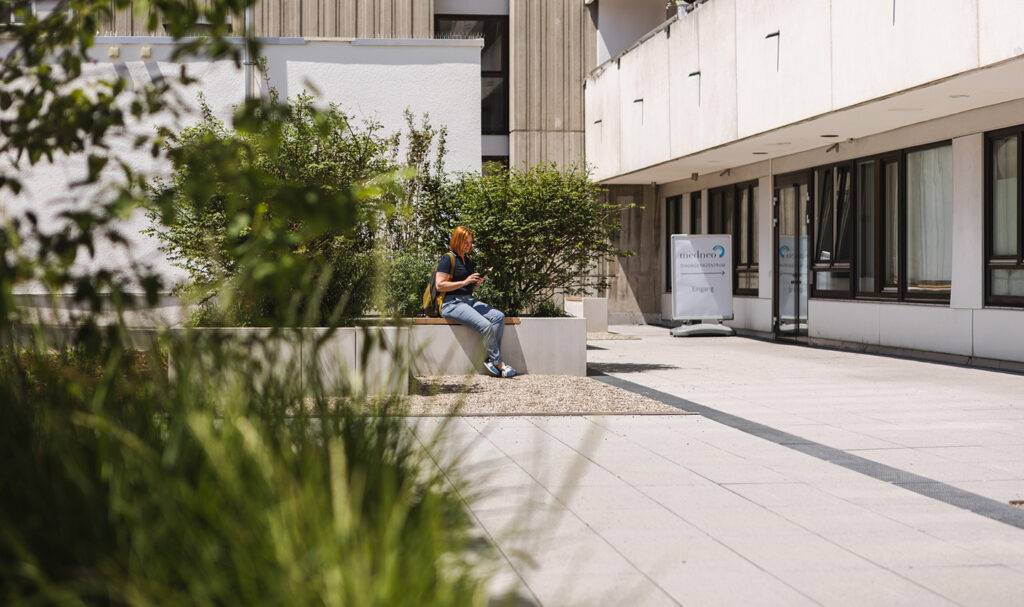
x=709, y=257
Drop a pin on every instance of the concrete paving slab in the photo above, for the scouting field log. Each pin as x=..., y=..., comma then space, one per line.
x=687, y=510
x=981, y=586
x=859, y=587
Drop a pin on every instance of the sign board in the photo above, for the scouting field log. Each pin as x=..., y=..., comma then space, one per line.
x=702, y=277
x=792, y=302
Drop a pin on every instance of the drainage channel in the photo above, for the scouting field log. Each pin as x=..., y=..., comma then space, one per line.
x=1012, y=515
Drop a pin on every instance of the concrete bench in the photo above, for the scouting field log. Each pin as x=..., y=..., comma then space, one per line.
x=542, y=346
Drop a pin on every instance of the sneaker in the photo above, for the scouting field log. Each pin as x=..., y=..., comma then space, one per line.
x=508, y=371
x=493, y=369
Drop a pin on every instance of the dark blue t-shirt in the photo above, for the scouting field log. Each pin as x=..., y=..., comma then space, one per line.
x=463, y=268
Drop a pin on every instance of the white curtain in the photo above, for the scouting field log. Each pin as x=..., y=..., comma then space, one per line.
x=930, y=219
x=1004, y=196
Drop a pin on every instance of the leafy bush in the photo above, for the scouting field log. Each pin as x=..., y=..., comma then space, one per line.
x=406, y=274
x=207, y=229
x=539, y=230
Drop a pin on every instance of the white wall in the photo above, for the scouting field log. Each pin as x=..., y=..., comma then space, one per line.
x=620, y=23
x=371, y=79
x=380, y=78
x=828, y=56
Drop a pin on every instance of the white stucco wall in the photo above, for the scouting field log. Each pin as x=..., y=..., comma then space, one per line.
x=828, y=56
x=379, y=79
x=370, y=79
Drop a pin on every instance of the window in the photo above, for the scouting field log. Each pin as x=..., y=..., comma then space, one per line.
x=929, y=213
x=883, y=226
x=673, y=225
x=12, y=13
x=733, y=210
x=494, y=63
x=832, y=230
x=1004, y=219
x=695, y=213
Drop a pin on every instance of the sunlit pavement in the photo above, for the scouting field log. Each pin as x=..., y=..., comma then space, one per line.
x=652, y=510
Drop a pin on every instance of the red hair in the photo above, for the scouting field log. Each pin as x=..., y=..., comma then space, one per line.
x=459, y=237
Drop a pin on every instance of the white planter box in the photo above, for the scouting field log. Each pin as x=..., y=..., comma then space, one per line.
x=541, y=346
x=372, y=360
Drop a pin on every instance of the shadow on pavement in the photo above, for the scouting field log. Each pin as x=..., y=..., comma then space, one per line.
x=598, y=368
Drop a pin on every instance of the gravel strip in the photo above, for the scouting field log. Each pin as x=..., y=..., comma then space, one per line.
x=526, y=395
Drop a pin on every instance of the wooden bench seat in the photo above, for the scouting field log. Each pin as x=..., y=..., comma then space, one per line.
x=426, y=320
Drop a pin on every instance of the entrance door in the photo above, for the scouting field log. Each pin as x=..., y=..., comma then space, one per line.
x=792, y=220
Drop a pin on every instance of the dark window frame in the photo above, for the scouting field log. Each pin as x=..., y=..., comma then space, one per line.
x=9, y=11
x=505, y=71
x=673, y=211
x=900, y=292
x=695, y=213
x=991, y=261
x=879, y=225
x=717, y=211
x=834, y=265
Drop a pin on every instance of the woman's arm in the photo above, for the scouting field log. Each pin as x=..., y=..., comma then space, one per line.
x=444, y=283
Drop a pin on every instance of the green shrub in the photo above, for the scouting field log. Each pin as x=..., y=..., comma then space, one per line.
x=539, y=230
x=547, y=309
x=406, y=275
x=207, y=229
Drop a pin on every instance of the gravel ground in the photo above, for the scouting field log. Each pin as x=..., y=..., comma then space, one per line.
x=527, y=395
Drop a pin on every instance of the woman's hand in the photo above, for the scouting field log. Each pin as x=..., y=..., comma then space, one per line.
x=474, y=279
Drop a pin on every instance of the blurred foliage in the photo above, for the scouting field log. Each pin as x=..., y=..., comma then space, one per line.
x=221, y=484
x=196, y=467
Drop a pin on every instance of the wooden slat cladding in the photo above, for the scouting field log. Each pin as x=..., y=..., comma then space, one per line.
x=316, y=19
x=554, y=46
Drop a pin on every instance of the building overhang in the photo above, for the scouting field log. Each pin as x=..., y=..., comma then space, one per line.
x=979, y=88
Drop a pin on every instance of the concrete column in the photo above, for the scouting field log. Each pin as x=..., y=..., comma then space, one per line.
x=968, y=289
x=765, y=250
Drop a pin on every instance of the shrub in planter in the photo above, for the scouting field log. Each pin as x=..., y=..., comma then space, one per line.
x=323, y=159
x=405, y=274
x=538, y=230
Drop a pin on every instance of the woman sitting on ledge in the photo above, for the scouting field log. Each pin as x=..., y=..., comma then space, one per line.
x=457, y=283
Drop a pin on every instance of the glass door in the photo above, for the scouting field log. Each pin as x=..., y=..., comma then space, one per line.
x=791, y=223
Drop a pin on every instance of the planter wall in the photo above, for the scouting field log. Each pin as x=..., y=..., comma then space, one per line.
x=542, y=346
x=372, y=360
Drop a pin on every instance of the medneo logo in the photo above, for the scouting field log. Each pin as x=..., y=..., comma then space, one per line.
x=716, y=251
x=785, y=252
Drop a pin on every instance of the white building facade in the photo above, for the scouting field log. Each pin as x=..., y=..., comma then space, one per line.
x=865, y=156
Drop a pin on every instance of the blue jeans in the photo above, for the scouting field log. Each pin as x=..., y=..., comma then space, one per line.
x=487, y=321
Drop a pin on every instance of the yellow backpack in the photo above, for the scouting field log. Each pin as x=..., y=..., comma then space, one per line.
x=432, y=300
